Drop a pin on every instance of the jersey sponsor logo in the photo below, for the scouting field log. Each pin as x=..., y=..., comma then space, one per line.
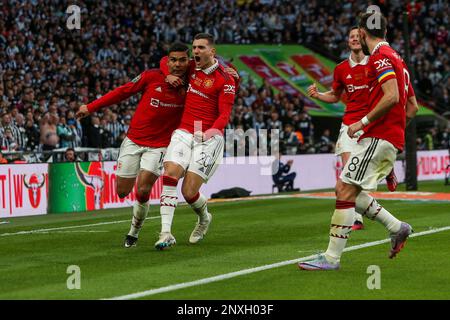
x=136, y=79
x=170, y=105
x=159, y=89
x=352, y=88
x=228, y=88
x=383, y=63
x=208, y=83
x=154, y=102
x=190, y=89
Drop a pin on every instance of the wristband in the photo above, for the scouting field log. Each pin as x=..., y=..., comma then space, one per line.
x=365, y=121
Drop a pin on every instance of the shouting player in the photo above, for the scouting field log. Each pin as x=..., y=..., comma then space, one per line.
x=391, y=102
x=351, y=76
x=196, y=147
x=157, y=115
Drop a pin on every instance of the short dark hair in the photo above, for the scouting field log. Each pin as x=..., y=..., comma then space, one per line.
x=206, y=36
x=178, y=47
x=373, y=30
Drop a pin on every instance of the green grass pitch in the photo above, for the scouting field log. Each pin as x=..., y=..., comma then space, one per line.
x=243, y=235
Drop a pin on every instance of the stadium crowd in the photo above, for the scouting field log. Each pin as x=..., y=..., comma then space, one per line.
x=47, y=71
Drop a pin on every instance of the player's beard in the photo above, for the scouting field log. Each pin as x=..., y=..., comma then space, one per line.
x=364, y=47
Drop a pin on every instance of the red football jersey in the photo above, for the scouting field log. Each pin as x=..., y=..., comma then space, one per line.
x=384, y=64
x=352, y=77
x=158, y=113
x=209, y=99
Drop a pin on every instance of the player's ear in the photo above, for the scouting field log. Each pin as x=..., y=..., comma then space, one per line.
x=213, y=51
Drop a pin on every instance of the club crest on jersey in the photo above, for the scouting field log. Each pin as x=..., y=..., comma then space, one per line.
x=154, y=102
x=208, y=83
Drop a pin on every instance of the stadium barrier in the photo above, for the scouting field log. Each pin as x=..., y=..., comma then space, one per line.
x=36, y=189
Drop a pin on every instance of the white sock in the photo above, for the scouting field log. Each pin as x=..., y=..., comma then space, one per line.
x=341, y=226
x=358, y=217
x=200, y=208
x=140, y=211
x=368, y=206
x=169, y=201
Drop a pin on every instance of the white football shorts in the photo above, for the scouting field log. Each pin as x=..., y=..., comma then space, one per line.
x=133, y=158
x=344, y=143
x=201, y=158
x=370, y=162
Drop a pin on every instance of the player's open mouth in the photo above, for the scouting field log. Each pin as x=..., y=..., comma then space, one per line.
x=197, y=58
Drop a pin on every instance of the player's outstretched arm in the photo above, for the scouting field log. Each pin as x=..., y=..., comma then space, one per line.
x=328, y=97
x=119, y=94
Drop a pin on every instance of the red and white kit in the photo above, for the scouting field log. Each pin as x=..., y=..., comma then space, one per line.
x=209, y=100
x=377, y=148
x=157, y=115
x=351, y=77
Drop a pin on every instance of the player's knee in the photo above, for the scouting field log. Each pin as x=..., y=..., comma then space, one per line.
x=142, y=194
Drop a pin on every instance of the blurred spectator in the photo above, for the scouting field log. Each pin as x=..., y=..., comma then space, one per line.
x=94, y=133
x=48, y=128
x=70, y=156
x=306, y=127
x=33, y=135
x=326, y=145
x=430, y=139
x=289, y=140
x=9, y=143
x=65, y=133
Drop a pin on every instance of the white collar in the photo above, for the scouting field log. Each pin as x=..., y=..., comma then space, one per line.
x=382, y=43
x=363, y=62
x=212, y=68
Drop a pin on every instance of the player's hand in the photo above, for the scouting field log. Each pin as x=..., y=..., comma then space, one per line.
x=82, y=112
x=232, y=72
x=174, y=81
x=354, y=130
x=290, y=162
x=199, y=136
x=312, y=91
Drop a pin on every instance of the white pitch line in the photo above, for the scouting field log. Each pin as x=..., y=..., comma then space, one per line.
x=257, y=269
x=72, y=231
x=69, y=227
